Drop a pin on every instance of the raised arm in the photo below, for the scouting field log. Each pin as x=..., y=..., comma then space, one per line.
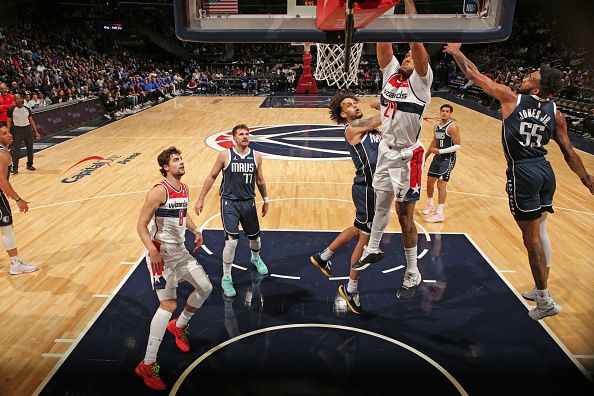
x=261, y=184
x=571, y=157
x=417, y=50
x=385, y=53
x=356, y=129
x=210, y=179
x=501, y=92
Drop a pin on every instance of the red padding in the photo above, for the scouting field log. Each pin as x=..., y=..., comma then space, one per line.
x=330, y=14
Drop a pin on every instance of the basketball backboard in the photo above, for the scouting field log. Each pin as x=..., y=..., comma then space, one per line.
x=249, y=21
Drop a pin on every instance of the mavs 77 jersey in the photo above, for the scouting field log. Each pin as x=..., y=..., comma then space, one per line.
x=169, y=222
x=528, y=128
x=403, y=104
x=239, y=176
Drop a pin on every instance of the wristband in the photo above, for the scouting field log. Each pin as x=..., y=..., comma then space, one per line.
x=266, y=200
x=17, y=199
x=196, y=231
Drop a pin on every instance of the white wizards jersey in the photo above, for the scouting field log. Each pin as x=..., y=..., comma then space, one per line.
x=169, y=223
x=403, y=104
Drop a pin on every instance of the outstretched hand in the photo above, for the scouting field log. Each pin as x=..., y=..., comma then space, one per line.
x=450, y=48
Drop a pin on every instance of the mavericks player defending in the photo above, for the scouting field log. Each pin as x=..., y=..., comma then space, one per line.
x=530, y=120
x=16, y=265
x=170, y=263
x=405, y=96
x=445, y=144
x=363, y=142
x=242, y=171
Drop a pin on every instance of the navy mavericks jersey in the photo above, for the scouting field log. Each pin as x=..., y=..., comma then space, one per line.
x=441, y=136
x=9, y=169
x=364, y=156
x=528, y=128
x=239, y=176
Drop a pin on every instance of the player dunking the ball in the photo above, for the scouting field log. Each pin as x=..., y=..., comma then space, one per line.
x=530, y=121
x=165, y=211
x=405, y=96
x=363, y=141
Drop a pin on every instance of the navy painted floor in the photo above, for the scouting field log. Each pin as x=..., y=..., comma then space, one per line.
x=467, y=320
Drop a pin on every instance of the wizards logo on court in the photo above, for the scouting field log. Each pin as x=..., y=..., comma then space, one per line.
x=315, y=142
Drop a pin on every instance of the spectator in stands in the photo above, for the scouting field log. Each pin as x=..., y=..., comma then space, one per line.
x=6, y=102
x=34, y=103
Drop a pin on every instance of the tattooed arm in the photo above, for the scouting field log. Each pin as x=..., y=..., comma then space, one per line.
x=356, y=129
x=501, y=92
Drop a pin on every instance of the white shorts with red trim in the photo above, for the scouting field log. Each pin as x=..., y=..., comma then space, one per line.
x=400, y=170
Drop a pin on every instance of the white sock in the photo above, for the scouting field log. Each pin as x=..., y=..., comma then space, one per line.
x=227, y=269
x=158, y=327
x=353, y=285
x=255, y=245
x=15, y=260
x=184, y=318
x=543, y=297
x=255, y=254
x=440, y=208
x=411, y=259
x=430, y=203
x=326, y=254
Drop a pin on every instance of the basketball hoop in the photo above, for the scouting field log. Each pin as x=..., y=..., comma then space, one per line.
x=331, y=61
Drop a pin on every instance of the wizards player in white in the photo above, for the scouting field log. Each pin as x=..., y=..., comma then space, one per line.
x=405, y=96
x=165, y=211
x=530, y=121
x=242, y=172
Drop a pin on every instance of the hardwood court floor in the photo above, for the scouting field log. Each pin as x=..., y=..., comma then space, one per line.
x=82, y=233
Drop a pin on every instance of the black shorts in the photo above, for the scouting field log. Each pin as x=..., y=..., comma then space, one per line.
x=442, y=165
x=5, y=212
x=364, y=200
x=530, y=188
x=245, y=213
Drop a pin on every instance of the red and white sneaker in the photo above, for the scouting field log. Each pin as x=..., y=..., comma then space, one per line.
x=150, y=375
x=435, y=218
x=181, y=335
x=429, y=210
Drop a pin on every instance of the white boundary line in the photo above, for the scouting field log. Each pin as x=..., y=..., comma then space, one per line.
x=216, y=348
x=53, y=355
x=65, y=340
x=392, y=269
x=419, y=256
x=285, y=276
x=49, y=376
x=541, y=322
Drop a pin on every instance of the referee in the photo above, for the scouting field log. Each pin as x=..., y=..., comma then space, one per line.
x=19, y=122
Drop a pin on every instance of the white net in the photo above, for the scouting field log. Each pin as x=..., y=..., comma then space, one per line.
x=330, y=64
